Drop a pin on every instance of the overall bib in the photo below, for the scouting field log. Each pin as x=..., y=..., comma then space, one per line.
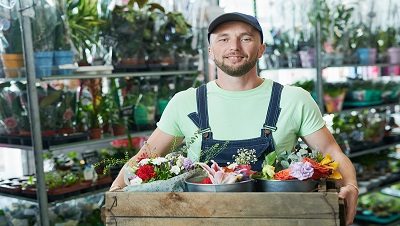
x=262, y=145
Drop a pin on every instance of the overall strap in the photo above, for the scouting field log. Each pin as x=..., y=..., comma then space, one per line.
x=202, y=111
x=273, y=109
x=200, y=118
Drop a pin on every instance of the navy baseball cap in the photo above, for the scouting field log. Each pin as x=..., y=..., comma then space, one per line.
x=227, y=17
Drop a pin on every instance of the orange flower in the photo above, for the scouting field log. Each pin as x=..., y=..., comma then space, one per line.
x=320, y=171
x=283, y=175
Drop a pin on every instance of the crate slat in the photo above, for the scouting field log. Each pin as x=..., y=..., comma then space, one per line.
x=124, y=221
x=291, y=208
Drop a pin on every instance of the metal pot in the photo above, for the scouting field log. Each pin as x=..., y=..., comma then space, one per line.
x=286, y=185
x=192, y=185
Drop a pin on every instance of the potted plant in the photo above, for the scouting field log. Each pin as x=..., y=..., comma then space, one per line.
x=66, y=111
x=62, y=47
x=363, y=93
x=89, y=106
x=334, y=26
x=387, y=41
x=334, y=94
x=174, y=37
x=7, y=116
x=12, y=57
x=295, y=171
x=49, y=98
x=84, y=23
x=43, y=35
x=131, y=25
x=363, y=41
x=145, y=108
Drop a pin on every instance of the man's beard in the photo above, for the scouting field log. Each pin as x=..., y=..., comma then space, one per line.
x=236, y=71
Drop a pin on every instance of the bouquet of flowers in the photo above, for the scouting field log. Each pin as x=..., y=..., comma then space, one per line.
x=300, y=165
x=238, y=171
x=162, y=174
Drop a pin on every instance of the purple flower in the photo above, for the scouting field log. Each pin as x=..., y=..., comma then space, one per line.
x=187, y=163
x=301, y=170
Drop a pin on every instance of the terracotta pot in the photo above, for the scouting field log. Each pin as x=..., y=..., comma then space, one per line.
x=12, y=64
x=106, y=128
x=95, y=133
x=24, y=132
x=132, y=61
x=48, y=133
x=63, y=131
x=118, y=130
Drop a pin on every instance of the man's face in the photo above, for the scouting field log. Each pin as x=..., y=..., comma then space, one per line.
x=235, y=47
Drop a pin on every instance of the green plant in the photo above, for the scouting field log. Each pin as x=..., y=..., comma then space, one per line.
x=66, y=109
x=53, y=180
x=43, y=26
x=386, y=39
x=13, y=36
x=308, y=85
x=175, y=34
x=108, y=163
x=334, y=89
x=130, y=26
x=335, y=23
x=62, y=31
x=89, y=106
x=49, y=100
x=84, y=23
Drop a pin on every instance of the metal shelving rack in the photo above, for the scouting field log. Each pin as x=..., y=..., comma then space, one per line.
x=26, y=14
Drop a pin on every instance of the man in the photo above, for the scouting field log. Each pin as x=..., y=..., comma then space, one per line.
x=245, y=110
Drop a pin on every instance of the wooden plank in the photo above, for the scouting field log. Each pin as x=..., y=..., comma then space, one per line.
x=311, y=205
x=121, y=221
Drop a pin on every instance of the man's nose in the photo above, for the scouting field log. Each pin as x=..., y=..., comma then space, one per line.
x=234, y=44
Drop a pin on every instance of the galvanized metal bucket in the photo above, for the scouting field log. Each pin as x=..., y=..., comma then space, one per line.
x=286, y=185
x=192, y=185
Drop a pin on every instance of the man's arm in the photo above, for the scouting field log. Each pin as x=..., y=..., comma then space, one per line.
x=323, y=141
x=159, y=143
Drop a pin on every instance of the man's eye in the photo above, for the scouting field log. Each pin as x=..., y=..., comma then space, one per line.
x=223, y=40
x=246, y=39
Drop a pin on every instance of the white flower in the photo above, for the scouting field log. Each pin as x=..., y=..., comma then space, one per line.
x=175, y=169
x=179, y=161
x=232, y=166
x=144, y=162
x=136, y=180
x=159, y=160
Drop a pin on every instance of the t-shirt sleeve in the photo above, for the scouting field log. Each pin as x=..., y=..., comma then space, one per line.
x=310, y=116
x=169, y=119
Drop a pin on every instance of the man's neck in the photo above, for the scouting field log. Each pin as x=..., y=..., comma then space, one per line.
x=245, y=82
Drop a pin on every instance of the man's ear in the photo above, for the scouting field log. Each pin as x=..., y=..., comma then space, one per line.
x=210, y=53
x=261, y=50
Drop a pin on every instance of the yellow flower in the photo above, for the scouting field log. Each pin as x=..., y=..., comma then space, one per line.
x=268, y=171
x=331, y=164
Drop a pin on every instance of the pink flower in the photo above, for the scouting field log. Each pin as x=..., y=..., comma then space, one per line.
x=68, y=114
x=301, y=170
x=10, y=122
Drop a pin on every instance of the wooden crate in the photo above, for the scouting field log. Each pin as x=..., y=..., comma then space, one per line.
x=223, y=208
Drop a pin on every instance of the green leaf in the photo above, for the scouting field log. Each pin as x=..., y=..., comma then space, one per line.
x=303, y=152
x=285, y=164
x=270, y=158
x=48, y=100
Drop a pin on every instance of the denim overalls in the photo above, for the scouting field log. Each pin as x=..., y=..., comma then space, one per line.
x=262, y=145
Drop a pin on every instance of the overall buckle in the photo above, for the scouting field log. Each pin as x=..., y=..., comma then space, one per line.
x=205, y=132
x=268, y=129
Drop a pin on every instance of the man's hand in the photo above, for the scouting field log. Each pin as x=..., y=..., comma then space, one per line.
x=350, y=195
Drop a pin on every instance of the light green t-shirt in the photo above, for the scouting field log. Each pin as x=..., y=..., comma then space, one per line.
x=238, y=115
